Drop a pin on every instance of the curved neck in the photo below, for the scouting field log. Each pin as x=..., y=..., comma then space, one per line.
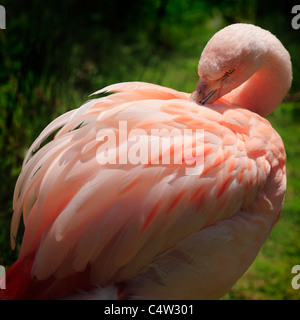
x=266, y=88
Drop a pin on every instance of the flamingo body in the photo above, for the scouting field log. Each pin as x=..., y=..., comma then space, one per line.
x=144, y=230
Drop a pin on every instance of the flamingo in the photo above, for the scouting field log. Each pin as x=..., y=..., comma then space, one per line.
x=150, y=230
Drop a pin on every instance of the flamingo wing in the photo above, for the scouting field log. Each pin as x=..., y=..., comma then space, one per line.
x=116, y=219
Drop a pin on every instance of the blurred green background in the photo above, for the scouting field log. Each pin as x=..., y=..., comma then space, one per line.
x=53, y=54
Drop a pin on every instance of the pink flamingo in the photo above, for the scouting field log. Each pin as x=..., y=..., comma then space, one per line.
x=121, y=230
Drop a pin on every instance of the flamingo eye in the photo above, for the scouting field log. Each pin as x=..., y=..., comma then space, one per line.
x=230, y=71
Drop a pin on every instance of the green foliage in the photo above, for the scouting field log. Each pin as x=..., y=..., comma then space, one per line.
x=53, y=54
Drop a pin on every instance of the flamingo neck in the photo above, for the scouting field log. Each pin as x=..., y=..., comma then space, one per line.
x=266, y=88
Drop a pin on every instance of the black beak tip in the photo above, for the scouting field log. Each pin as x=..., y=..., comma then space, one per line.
x=207, y=97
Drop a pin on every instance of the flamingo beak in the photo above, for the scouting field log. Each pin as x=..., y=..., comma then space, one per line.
x=205, y=91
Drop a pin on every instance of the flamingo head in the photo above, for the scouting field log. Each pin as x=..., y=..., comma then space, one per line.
x=229, y=59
